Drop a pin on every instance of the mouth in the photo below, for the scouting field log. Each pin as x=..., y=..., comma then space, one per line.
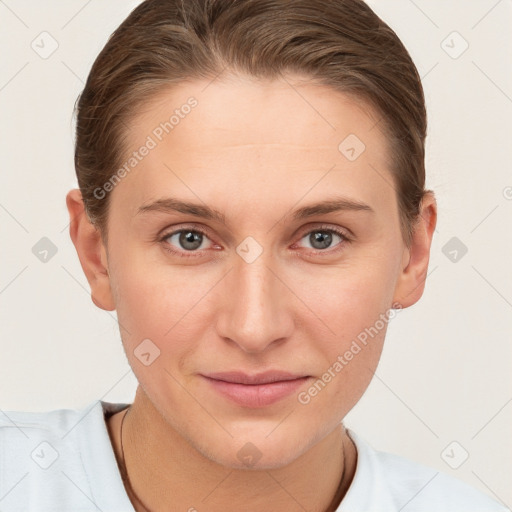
x=256, y=390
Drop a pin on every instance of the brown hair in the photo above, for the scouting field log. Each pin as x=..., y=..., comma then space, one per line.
x=340, y=43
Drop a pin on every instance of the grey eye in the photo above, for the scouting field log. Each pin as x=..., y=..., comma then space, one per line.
x=186, y=239
x=321, y=239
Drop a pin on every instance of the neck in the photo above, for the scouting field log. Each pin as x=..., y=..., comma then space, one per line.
x=166, y=471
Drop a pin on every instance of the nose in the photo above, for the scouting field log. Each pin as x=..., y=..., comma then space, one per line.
x=255, y=309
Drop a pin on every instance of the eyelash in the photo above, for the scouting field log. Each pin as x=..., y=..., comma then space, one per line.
x=194, y=254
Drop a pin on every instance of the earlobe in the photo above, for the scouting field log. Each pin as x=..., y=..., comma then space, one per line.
x=91, y=251
x=411, y=281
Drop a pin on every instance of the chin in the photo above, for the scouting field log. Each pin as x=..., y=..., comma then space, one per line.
x=256, y=450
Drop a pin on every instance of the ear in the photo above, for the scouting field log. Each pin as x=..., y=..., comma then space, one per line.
x=91, y=251
x=411, y=281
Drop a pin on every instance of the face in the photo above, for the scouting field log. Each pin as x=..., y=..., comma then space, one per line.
x=254, y=279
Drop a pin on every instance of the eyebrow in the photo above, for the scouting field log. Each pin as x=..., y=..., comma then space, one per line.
x=330, y=206
x=336, y=204
x=170, y=204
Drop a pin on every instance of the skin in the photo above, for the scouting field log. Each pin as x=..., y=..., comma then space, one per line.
x=255, y=151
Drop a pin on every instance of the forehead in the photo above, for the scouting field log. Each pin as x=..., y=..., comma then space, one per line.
x=259, y=139
x=246, y=110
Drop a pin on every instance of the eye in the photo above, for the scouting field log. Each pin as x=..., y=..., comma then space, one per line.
x=186, y=241
x=322, y=238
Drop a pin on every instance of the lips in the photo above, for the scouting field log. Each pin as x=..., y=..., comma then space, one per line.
x=255, y=379
x=256, y=390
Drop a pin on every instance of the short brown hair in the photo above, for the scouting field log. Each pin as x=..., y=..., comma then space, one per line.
x=340, y=43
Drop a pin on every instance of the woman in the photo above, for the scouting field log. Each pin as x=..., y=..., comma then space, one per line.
x=251, y=203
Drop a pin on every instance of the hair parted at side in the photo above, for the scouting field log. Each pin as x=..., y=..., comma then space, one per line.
x=340, y=43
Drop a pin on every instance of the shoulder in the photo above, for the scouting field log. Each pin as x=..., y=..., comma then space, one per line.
x=39, y=435
x=385, y=482
x=46, y=457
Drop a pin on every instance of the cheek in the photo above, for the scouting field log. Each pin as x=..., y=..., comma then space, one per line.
x=348, y=299
x=349, y=358
x=154, y=306
x=171, y=306
x=152, y=297
x=354, y=306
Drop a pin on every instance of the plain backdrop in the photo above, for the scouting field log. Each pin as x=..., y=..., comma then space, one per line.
x=442, y=391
